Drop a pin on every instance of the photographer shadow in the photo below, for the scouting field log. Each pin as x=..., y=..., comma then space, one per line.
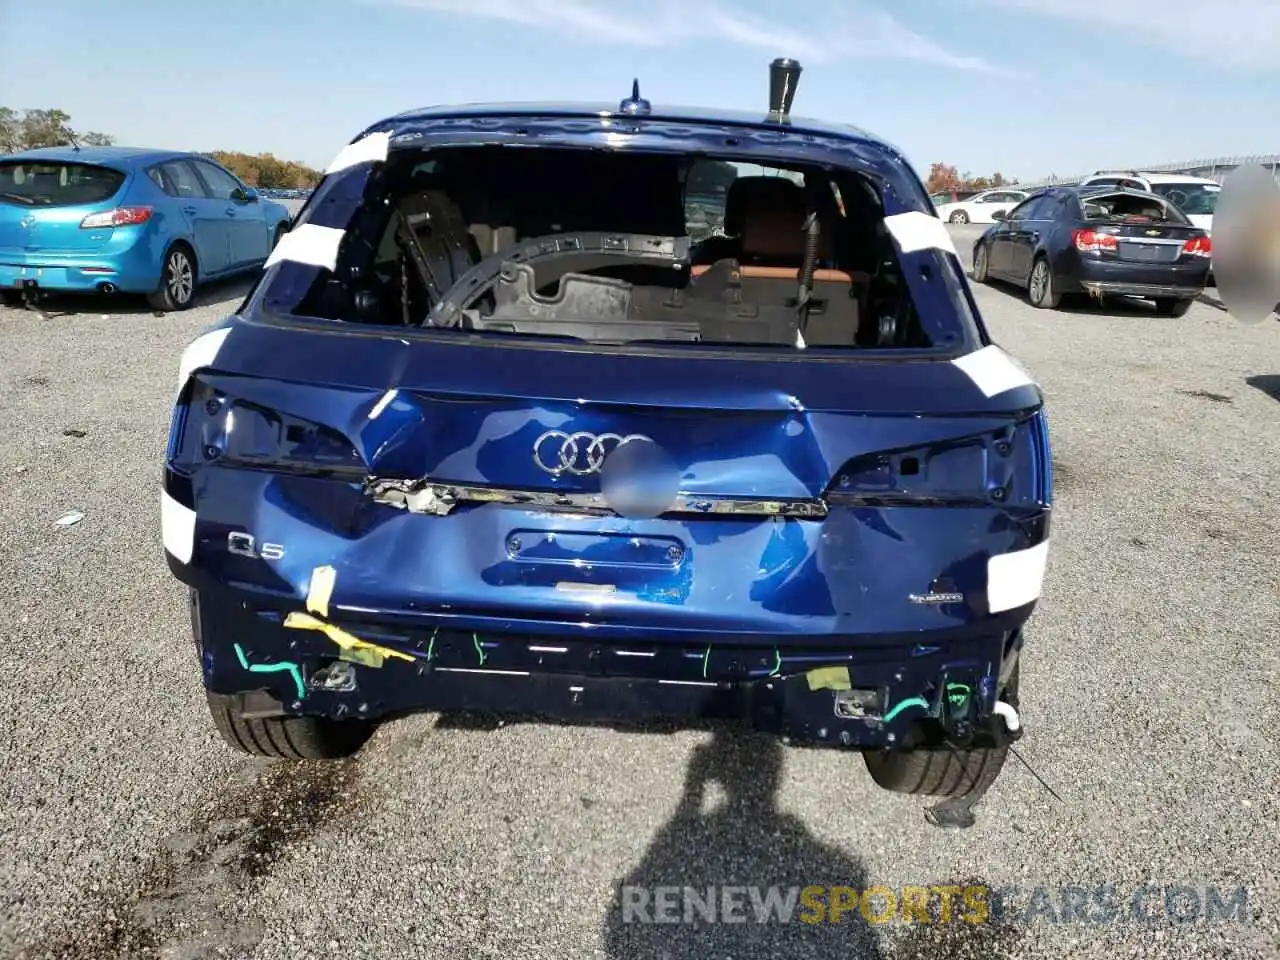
x=747, y=842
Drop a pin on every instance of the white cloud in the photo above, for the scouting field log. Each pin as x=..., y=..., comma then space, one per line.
x=580, y=17
x=1233, y=35
x=667, y=22
x=876, y=33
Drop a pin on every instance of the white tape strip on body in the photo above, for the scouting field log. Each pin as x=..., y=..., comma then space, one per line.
x=310, y=244
x=916, y=231
x=201, y=352
x=382, y=404
x=1015, y=579
x=370, y=149
x=177, y=528
x=993, y=370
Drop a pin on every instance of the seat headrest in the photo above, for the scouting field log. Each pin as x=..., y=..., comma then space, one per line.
x=773, y=216
x=741, y=194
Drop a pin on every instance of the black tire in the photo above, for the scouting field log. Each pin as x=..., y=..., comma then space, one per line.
x=959, y=217
x=178, y=277
x=288, y=738
x=1171, y=307
x=11, y=298
x=980, y=265
x=1040, y=289
x=281, y=230
x=936, y=773
x=941, y=772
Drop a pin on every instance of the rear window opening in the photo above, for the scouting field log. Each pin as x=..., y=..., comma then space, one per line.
x=618, y=248
x=43, y=183
x=1127, y=208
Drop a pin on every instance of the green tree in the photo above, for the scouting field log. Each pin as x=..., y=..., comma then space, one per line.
x=31, y=129
x=45, y=128
x=10, y=137
x=266, y=170
x=943, y=178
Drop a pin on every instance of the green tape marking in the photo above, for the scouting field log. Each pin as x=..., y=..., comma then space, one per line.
x=777, y=663
x=293, y=669
x=913, y=702
x=431, y=644
x=958, y=694
x=475, y=638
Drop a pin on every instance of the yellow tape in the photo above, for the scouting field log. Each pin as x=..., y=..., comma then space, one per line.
x=348, y=642
x=348, y=652
x=827, y=678
x=353, y=648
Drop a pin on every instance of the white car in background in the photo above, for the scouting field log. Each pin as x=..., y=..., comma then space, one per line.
x=981, y=207
x=1197, y=197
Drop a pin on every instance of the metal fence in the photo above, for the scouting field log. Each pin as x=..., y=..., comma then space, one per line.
x=1215, y=168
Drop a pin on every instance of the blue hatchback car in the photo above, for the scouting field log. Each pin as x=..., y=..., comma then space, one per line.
x=492, y=432
x=117, y=219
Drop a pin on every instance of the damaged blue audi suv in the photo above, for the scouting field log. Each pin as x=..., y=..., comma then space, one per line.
x=608, y=413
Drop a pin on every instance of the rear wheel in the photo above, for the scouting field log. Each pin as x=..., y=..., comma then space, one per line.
x=1170, y=307
x=279, y=235
x=288, y=738
x=11, y=298
x=177, y=281
x=1040, y=286
x=941, y=772
x=980, y=263
x=959, y=217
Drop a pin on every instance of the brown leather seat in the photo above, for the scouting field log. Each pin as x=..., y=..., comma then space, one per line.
x=726, y=247
x=770, y=254
x=767, y=216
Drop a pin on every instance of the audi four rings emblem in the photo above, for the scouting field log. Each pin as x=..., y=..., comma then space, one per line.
x=557, y=452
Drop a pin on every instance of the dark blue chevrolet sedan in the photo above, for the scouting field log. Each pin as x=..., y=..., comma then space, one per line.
x=493, y=432
x=1101, y=242
x=127, y=220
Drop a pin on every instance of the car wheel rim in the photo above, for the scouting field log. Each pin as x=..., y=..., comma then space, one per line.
x=180, y=279
x=1039, y=282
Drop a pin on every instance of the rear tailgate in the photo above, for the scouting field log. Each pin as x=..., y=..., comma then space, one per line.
x=817, y=496
x=1153, y=242
x=1143, y=242
x=44, y=202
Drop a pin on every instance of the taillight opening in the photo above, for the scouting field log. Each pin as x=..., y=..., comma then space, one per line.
x=119, y=217
x=1198, y=247
x=1091, y=241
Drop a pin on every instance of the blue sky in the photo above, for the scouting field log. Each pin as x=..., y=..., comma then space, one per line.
x=1026, y=87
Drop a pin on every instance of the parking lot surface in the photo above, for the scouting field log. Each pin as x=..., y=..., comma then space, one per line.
x=1149, y=693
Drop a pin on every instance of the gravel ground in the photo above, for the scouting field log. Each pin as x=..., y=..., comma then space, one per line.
x=128, y=829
